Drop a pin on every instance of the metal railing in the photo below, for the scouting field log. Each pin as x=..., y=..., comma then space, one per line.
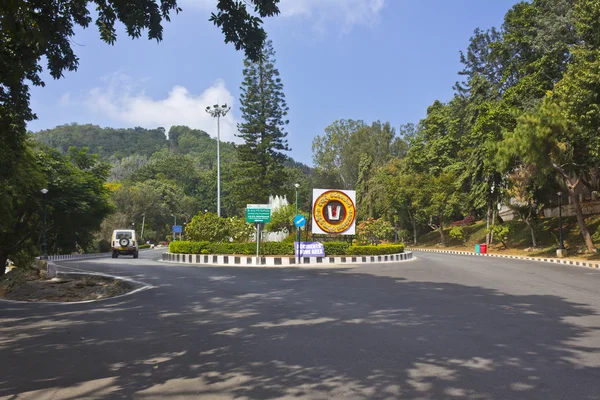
x=63, y=257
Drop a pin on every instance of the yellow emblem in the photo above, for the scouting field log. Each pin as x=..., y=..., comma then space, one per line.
x=334, y=212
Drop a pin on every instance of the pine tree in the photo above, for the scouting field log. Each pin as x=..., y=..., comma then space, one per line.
x=264, y=110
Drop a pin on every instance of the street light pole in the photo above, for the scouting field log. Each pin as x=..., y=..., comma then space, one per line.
x=217, y=112
x=143, y=222
x=296, y=186
x=561, y=244
x=44, y=244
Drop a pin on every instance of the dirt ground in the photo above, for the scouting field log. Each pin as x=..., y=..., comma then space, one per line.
x=64, y=288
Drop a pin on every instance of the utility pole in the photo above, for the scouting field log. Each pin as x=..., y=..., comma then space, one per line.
x=143, y=222
x=217, y=111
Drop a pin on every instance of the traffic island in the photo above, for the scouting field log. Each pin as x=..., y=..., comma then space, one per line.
x=33, y=284
x=281, y=261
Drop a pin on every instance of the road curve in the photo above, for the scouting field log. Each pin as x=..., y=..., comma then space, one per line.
x=438, y=327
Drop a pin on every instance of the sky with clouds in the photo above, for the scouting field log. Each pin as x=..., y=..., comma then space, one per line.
x=357, y=59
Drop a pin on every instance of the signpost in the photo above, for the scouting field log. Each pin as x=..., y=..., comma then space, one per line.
x=177, y=229
x=299, y=221
x=258, y=214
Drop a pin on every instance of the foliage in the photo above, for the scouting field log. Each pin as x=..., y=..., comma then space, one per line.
x=374, y=230
x=372, y=250
x=267, y=248
x=278, y=248
x=283, y=219
x=336, y=248
x=264, y=112
x=207, y=227
x=338, y=152
x=36, y=31
x=501, y=232
x=458, y=233
x=212, y=228
x=77, y=202
x=144, y=246
x=238, y=229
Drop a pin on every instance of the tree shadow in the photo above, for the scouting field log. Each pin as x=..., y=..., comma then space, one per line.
x=272, y=333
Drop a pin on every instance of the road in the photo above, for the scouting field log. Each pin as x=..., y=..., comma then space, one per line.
x=438, y=327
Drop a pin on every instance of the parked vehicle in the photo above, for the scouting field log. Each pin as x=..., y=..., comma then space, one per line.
x=124, y=242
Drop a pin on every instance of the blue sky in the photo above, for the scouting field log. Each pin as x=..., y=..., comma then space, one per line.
x=339, y=59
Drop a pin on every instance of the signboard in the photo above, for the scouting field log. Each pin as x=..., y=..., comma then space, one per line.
x=309, y=249
x=177, y=229
x=299, y=221
x=334, y=212
x=258, y=213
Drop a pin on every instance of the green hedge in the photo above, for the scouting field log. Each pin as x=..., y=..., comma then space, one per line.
x=280, y=248
x=266, y=249
x=336, y=248
x=144, y=246
x=371, y=250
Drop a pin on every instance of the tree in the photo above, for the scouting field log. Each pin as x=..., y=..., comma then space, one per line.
x=444, y=199
x=37, y=30
x=77, y=202
x=331, y=154
x=552, y=142
x=337, y=154
x=264, y=111
x=522, y=192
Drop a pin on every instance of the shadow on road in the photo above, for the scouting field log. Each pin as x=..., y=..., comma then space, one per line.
x=250, y=333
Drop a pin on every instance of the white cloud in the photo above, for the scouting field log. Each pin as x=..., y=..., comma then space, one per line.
x=346, y=13
x=122, y=100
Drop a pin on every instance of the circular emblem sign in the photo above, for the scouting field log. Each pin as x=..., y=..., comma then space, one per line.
x=334, y=211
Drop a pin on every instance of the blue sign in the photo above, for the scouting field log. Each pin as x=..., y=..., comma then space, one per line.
x=177, y=229
x=299, y=221
x=309, y=249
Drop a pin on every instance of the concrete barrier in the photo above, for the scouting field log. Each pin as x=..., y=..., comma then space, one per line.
x=284, y=261
x=577, y=263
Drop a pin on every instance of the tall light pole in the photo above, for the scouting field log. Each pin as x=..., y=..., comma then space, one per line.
x=44, y=244
x=297, y=185
x=561, y=244
x=143, y=223
x=217, y=111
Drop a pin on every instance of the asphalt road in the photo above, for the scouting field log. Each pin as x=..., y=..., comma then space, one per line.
x=439, y=327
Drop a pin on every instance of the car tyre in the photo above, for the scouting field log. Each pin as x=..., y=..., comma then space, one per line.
x=115, y=254
x=136, y=254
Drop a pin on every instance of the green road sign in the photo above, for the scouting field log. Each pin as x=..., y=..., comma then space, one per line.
x=258, y=213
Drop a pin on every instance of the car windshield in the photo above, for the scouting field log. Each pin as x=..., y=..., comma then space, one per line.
x=123, y=235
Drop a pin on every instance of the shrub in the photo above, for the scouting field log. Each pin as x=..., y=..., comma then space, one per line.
x=238, y=229
x=596, y=236
x=373, y=230
x=501, y=232
x=144, y=246
x=371, y=250
x=188, y=247
x=266, y=249
x=336, y=248
x=207, y=227
x=458, y=232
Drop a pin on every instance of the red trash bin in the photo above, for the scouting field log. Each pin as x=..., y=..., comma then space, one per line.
x=483, y=248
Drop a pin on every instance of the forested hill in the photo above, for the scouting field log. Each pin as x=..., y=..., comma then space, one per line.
x=115, y=144
x=184, y=158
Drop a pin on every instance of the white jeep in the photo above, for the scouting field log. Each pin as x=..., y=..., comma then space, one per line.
x=124, y=242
